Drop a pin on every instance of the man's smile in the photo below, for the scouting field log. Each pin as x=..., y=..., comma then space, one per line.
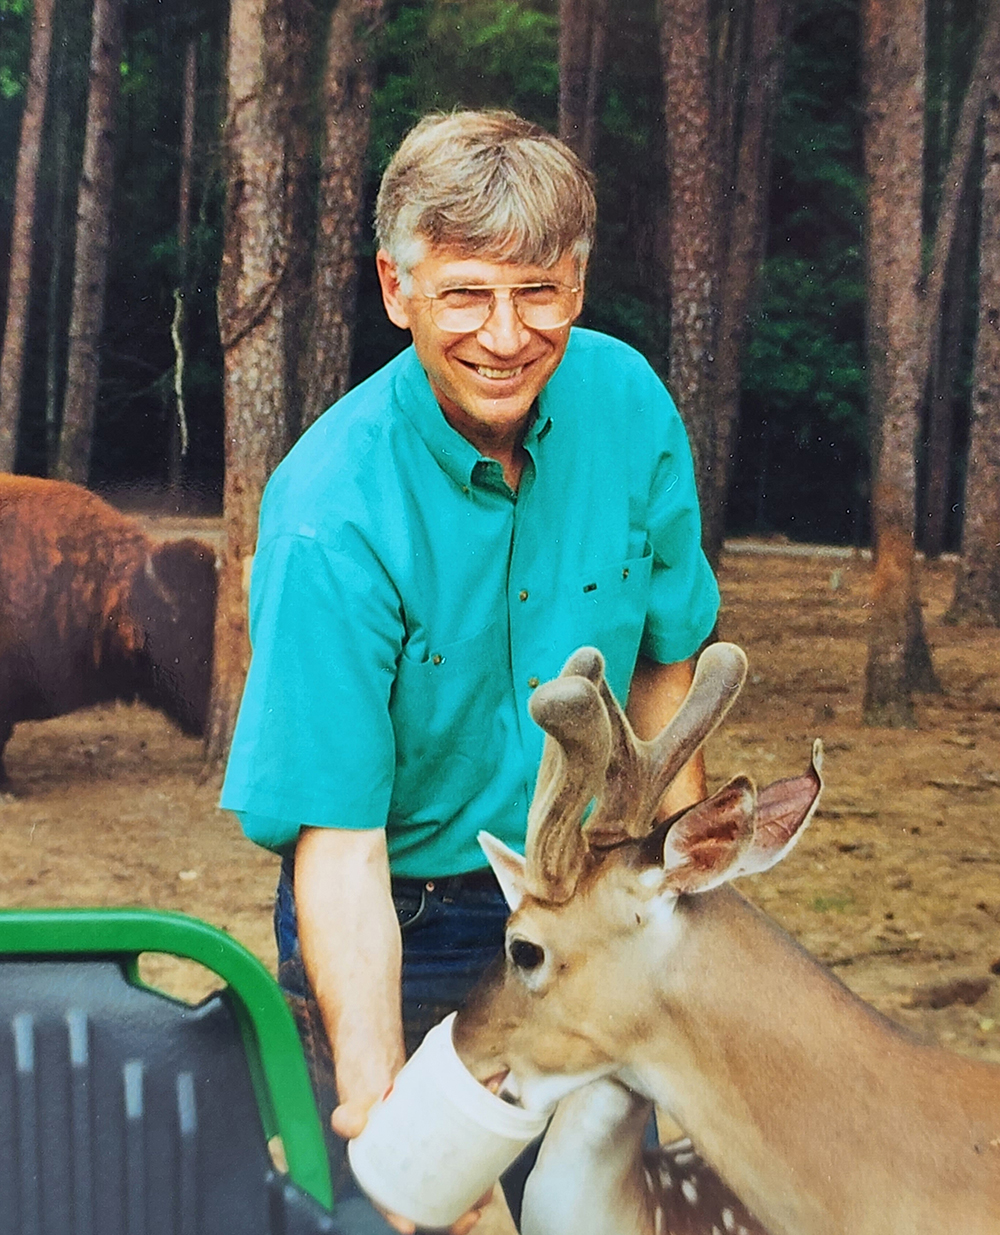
x=494, y=374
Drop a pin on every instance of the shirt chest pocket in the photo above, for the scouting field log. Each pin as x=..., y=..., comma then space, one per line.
x=444, y=706
x=608, y=610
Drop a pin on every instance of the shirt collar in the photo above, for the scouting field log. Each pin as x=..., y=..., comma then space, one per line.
x=453, y=453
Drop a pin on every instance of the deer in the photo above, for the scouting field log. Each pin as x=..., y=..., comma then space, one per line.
x=595, y=1175
x=631, y=961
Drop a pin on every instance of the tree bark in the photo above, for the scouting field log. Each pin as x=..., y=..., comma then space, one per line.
x=945, y=358
x=940, y=306
x=258, y=295
x=959, y=162
x=348, y=81
x=894, y=47
x=693, y=226
x=93, y=231
x=583, y=28
x=977, y=586
x=720, y=101
x=21, y=241
x=746, y=208
x=55, y=332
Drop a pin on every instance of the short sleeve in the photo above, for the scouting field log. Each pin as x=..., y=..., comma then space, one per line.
x=313, y=741
x=684, y=596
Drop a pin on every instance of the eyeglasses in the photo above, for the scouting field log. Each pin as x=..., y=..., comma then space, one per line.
x=540, y=306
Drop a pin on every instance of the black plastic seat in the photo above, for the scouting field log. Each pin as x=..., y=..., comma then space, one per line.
x=126, y=1112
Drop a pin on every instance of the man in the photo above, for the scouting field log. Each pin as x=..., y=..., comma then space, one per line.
x=503, y=492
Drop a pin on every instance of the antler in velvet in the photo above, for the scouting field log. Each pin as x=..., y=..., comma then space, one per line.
x=592, y=753
x=574, y=762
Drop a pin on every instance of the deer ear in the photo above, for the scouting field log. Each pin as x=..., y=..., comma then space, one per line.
x=508, y=867
x=784, y=811
x=704, y=847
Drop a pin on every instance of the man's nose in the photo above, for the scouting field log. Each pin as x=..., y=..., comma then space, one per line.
x=503, y=332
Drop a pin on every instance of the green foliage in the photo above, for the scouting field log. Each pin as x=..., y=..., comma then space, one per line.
x=804, y=358
x=443, y=54
x=624, y=283
x=802, y=460
x=952, y=31
x=15, y=39
x=9, y=87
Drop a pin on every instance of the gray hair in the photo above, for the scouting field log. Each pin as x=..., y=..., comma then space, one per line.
x=486, y=183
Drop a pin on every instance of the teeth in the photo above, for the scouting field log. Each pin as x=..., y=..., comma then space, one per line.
x=498, y=373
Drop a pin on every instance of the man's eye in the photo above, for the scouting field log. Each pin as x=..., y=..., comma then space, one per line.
x=540, y=293
x=525, y=955
x=461, y=297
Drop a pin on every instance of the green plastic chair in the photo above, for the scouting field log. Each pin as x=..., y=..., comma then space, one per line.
x=130, y=1111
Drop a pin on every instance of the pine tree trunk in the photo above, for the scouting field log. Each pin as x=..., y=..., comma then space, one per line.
x=93, y=232
x=894, y=117
x=21, y=244
x=720, y=99
x=583, y=28
x=963, y=148
x=258, y=296
x=693, y=227
x=347, y=86
x=945, y=360
x=977, y=584
x=746, y=228
x=55, y=321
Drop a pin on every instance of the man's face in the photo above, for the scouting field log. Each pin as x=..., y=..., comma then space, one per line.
x=485, y=380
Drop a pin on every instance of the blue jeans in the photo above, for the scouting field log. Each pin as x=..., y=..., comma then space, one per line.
x=450, y=935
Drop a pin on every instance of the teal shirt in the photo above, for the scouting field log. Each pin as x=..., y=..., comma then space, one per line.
x=405, y=602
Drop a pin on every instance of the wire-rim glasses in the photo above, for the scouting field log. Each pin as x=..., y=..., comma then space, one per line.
x=539, y=306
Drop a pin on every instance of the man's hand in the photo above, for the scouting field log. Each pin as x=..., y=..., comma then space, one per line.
x=348, y=1121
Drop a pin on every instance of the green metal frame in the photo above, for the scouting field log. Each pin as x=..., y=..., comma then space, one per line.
x=271, y=1040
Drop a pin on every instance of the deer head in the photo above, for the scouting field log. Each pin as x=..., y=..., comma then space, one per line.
x=598, y=897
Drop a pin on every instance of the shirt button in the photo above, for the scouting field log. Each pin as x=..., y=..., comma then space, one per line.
x=625, y=573
x=522, y=595
x=437, y=658
x=533, y=683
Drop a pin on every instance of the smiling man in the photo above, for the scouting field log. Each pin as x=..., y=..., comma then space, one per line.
x=506, y=490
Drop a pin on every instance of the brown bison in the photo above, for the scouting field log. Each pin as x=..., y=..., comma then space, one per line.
x=91, y=610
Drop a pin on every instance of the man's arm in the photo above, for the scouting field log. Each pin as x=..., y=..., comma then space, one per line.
x=654, y=696
x=352, y=951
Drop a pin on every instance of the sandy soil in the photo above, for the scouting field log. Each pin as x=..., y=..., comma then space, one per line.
x=897, y=884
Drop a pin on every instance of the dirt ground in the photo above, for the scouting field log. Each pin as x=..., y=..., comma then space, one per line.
x=896, y=885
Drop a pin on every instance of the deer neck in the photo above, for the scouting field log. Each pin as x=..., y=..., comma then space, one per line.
x=588, y=1179
x=817, y=1111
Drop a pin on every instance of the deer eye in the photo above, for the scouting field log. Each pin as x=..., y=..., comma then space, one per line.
x=525, y=955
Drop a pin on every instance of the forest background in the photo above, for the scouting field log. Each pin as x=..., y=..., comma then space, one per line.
x=802, y=456
x=792, y=194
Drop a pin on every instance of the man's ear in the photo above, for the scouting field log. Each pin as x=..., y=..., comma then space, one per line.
x=508, y=867
x=392, y=292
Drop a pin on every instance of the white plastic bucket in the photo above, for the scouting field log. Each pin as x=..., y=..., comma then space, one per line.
x=439, y=1139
